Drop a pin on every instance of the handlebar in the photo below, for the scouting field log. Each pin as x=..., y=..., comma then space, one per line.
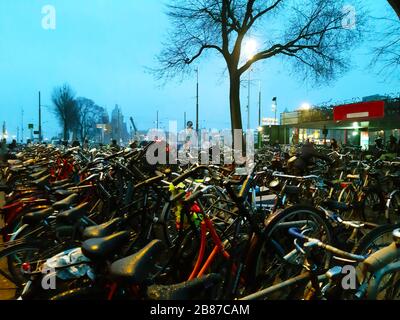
x=286, y=176
x=339, y=154
x=187, y=174
x=311, y=242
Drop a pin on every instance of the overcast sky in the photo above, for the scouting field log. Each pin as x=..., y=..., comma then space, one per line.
x=102, y=48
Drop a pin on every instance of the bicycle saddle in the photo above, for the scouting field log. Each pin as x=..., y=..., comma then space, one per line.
x=188, y=290
x=65, y=203
x=395, y=176
x=104, y=248
x=292, y=190
x=63, y=193
x=101, y=230
x=353, y=176
x=38, y=174
x=43, y=181
x=37, y=216
x=60, y=183
x=137, y=267
x=63, y=186
x=72, y=215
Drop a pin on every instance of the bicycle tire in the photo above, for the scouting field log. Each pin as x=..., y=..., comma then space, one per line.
x=87, y=293
x=268, y=249
x=364, y=245
x=14, y=279
x=374, y=212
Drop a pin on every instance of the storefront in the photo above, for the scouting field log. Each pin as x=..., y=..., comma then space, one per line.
x=356, y=123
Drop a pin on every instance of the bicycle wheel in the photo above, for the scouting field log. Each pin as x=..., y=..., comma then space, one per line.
x=390, y=287
x=88, y=293
x=348, y=195
x=11, y=276
x=271, y=266
x=393, y=208
x=373, y=205
x=376, y=239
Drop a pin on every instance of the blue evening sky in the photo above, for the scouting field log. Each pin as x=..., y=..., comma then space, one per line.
x=102, y=48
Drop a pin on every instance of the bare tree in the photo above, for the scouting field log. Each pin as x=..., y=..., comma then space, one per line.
x=387, y=53
x=396, y=6
x=89, y=116
x=315, y=34
x=65, y=108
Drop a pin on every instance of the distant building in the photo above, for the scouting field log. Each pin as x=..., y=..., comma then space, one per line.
x=375, y=97
x=119, y=129
x=357, y=122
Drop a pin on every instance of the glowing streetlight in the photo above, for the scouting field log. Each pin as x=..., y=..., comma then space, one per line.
x=250, y=48
x=305, y=106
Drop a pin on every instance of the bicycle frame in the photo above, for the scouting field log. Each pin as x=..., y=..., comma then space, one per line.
x=198, y=269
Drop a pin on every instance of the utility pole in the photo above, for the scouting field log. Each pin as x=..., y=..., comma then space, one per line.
x=4, y=131
x=22, y=125
x=197, y=101
x=248, y=100
x=184, y=120
x=259, y=115
x=119, y=127
x=275, y=108
x=40, y=120
x=157, y=120
x=259, y=104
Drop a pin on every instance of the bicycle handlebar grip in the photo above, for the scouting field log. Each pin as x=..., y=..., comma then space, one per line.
x=342, y=253
x=295, y=232
x=149, y=181
x=194, y=196
x=187, y=174
x=177, y=197
x=114, y=155
x=84, y=170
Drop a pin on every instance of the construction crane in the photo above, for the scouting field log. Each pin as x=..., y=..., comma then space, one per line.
x=134, y=127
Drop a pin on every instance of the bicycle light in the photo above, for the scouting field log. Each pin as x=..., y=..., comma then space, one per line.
x=26, y=267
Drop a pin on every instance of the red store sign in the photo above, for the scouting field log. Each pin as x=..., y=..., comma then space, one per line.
x=358, y=111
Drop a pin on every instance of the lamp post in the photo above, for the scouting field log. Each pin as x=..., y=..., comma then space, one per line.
x=248, y=100
x=197, y=100
x=259, y=115
x=157, y=120
x=40, y=119
x=249, y=50
x=275, y=108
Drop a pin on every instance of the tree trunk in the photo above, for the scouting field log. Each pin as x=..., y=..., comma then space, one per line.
x=236, y=114
x=234, y=101
x=65, y=133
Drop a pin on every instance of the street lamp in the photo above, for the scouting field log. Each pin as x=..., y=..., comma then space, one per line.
x=305, y=106
x=250, y=49
x=275, y=109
